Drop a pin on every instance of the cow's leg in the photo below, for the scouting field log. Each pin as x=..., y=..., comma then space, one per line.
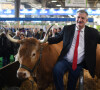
x=42, y=81
x=41, y=87
x=28, y=85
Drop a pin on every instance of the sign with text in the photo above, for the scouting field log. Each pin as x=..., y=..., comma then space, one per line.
x=76, y=3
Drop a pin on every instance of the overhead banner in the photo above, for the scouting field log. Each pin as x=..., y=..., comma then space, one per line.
x=76, y=3
x=47, y=12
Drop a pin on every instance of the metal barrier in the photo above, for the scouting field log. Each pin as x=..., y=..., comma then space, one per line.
x=81, y=80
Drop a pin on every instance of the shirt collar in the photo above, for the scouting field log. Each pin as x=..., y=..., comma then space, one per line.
x=81, y=29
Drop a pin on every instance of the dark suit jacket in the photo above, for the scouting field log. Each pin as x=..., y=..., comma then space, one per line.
x=92, y=37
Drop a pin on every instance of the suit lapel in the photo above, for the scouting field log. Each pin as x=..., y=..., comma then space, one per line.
x=86, y=35
x=70, y=35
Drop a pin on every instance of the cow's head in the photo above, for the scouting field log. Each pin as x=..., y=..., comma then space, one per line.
x=28, y=55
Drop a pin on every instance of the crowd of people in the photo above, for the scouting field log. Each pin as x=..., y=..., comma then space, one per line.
x=36, y=33
x=8, y=48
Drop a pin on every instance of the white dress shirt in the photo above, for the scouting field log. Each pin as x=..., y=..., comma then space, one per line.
x=81, y=52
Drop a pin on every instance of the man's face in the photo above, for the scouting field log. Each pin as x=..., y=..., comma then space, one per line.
x=81, y=19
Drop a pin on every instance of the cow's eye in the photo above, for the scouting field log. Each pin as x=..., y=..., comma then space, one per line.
x=33, y=54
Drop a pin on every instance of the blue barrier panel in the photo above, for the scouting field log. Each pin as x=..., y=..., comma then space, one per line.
x=42, y=19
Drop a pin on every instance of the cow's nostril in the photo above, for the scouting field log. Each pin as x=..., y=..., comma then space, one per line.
x=21, y=75
x=24, y=74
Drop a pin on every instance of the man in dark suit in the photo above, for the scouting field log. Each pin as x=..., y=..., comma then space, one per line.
x=79, y=51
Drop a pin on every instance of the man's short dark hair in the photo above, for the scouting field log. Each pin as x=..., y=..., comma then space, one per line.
x=82, y=11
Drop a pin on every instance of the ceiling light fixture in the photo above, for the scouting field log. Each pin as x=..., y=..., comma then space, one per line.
x=61, y=8
x=58, y=5
x=53, y=1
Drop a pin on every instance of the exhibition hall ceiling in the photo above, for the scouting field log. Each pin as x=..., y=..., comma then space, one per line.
x=58, y=3
x=51, y=3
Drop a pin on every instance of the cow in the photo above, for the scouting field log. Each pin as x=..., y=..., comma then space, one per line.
x=37, y=59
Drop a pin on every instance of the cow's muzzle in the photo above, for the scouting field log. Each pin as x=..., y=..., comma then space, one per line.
x=21, y=75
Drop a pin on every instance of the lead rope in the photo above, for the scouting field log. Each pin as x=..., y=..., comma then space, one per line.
x=39, y=58
x=32, y=83
x=31, y=71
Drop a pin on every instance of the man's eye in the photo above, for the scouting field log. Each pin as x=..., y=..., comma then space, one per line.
x=82, y=17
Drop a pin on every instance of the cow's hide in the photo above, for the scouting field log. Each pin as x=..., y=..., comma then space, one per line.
x=27, y=85
x=97, y=71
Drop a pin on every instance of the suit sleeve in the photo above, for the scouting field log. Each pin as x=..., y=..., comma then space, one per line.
x=56, y=39
x=98, y=37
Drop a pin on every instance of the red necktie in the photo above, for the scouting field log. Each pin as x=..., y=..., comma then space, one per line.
x=74, y=65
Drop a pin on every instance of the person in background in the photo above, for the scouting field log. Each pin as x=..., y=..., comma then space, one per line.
x=16, y=45
x=54, y=32
x=79, y=51
x=42, y=34
x=17, y=35
x=59, y=30
x=6, y=48
x=28, y=33
x=36, y=33
x=50, y=33
x=22, y=36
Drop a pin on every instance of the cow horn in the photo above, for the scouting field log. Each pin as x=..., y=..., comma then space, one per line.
x=11, y=39
x=46, y=36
